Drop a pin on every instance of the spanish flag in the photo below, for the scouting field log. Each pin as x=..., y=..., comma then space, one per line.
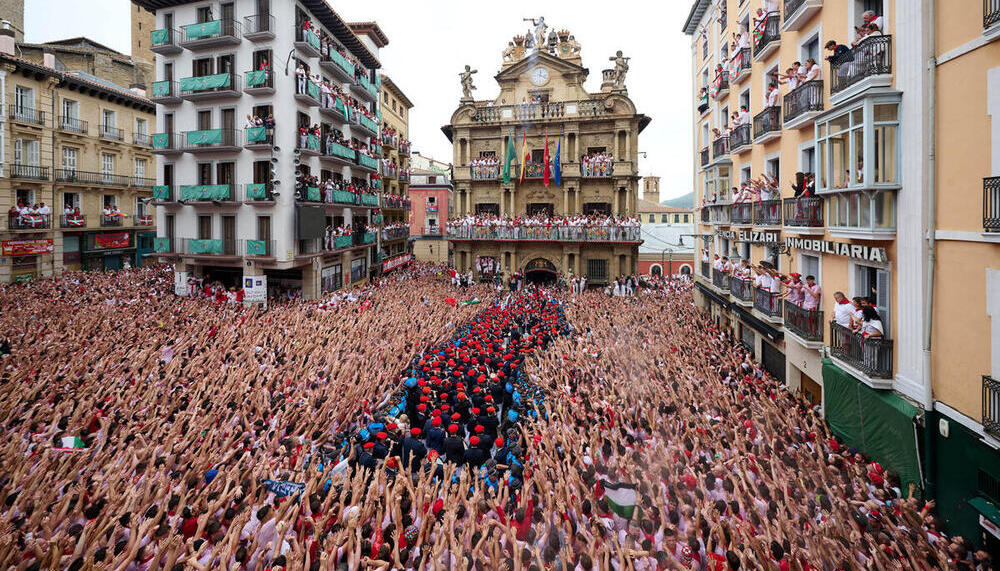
x=524, y=153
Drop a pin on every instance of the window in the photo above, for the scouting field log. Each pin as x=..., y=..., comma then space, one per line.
x=810, y=49
x=26, y=152
x=745, y=99
x=109, y=201
x=71, y=110
x=597, y=270
x=69, y=159
x=431, y=179
x=773, y=168
x=140, y=207
x=809, y=266
x=108, y=120
x=25, y=196
x=107, y=163
x=652, y=218
x=873, y=283
x=863, y=210
x=359, y=269
x=24, y=100
x=663, y=218
x=677, y=219
x=140, y=168
x=808, y=160
x=140, y=126
x=431, y=200
x=858, y=148
x=71, y=200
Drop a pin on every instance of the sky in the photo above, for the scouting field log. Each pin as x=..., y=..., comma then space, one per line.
x=431, y=41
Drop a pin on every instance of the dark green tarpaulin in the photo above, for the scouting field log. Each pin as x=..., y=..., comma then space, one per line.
x=879, y=423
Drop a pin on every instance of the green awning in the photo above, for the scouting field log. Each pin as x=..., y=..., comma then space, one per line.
x=206, y=82
x=203, y=29
x=987, y=508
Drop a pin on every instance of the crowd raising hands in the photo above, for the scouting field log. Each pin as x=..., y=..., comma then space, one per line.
x=146, y=432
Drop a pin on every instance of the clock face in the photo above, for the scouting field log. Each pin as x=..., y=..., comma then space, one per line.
x=540, y=76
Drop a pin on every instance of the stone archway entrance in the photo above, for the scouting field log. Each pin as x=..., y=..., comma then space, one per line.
x=540, y=271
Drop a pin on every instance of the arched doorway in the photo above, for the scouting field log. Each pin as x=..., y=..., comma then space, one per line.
x=656, y=270
x=540, y=271
x=686, y=270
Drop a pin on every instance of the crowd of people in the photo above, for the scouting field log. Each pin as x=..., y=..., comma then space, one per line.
x=396, y=430
x=596, y=164
x=25, y=215
x=485, y=167
x=393, y=139
x=543, y=226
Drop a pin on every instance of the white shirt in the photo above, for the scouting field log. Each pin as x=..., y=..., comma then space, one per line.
x=871, y=327
x=772, y=98
x=842, y=313
x=815, y=73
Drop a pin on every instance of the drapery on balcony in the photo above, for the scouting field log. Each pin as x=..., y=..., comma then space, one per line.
x=740, y=137
x=767, y=212
x=872, y=56
x=991, y=203
x=803, y=99
x=741, y=288
x=766, y=33
x=742, y=213
x=596, y=233
x=720, y=279
x=29, y=222
x=872, y=356
x=72, y=221
x=767, y=121
x=766, y=302
x=143, y=220
x=807, y=324
x=224, y=31
x=804, y=212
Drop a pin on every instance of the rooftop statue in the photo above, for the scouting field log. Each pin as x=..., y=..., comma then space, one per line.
x=467, y=85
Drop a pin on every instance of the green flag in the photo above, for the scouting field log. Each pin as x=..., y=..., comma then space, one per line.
x=511, y=153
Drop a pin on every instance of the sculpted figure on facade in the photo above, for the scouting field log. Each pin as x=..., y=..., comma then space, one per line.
x=621, y=69
x=467, y=85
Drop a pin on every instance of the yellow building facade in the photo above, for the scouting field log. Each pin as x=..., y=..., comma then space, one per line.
x=77, y=172
x=899, y=130
x=396, y=157
x=542, y=94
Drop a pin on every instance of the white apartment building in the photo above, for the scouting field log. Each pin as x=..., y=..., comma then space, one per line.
x=230, y=208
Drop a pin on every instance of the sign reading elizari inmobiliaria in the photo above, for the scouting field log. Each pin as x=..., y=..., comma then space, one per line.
x=752, y=236
x=856, y=251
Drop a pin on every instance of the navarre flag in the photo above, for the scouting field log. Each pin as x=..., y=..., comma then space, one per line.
x=511, y=155
x=621, y=497
x=546, y=172
x=556, y=167
x=472, y=301
x=524, y=154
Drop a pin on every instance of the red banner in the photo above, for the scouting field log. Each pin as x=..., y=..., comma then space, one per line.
x=108, y=241
x=26, y=247
x=394, y=263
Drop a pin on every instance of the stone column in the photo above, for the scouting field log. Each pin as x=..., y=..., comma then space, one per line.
x=565, y=201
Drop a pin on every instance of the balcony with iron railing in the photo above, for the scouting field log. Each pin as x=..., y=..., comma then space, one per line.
x=740, y=139
x=720, y=150
x=164, y=194
x=365, y=88
x=991, y=396
x=258, y=193
x=705, y=160
x=803, y=104
x=486, y=112
x=78, y=177
x=706, y=270
x=307, y=41
x=720, y=86
x=597, y=168
x=259, y=27
x=799, y=12
x=165, y=41
x=721, y=213
x=336, y=110
x=395, y=233
x=22, y=114
x=206, y=87
x=991, y=204
x=870, y=355
x=259, y=82
x=706, y=214
x=73, y=125
x=142, y=182
x=307, y=93
x=742, y=214
x=166, y=143
x=804, y=213
x=991, y=13
x=595, y=233
x=867, y=65
x=212, y=141
x=721, y=279
x=768, y=303
x=337, y=64
x=431, y=231
x=29, y=222
x=142, y=139
x=214, y=193
x=806, y=324
x=742, y=290
x=29, y=172
x=767, y=212
x=395, y=202
x=143, y=220
x=216, y=33
x=338, y=153
x=308, y=144
x=366, y=162
x=767, y=125
x=111, y=133
x=113, y=220
x=259, y=138
x=72, y=221
x=166, y=92
x=742, y=63
x=367, y=124
x=767, y=36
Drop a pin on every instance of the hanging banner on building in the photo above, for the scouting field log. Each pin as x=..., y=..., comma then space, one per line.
x=856, y=251
x=27, y=247
x=109, y=241
x=255, y=290
x=750, y=236
x=394, y=263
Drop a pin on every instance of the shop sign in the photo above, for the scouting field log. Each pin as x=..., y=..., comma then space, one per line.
x=856, y=251
x=113, y=240
x=27, y=247
x=751, y=236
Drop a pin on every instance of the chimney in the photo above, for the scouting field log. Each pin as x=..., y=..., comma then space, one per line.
x=6, y=38
x=48, y=59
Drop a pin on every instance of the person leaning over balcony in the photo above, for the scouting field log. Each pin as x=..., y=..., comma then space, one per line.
x=871, y=323
x=790, y=77
x=843, y=310
x=804, y=185
x=773, y=96
x=815, y=72
x=840, y=52
x=811, y=294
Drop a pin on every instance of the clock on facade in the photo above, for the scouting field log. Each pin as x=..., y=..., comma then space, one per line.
x=539, y=76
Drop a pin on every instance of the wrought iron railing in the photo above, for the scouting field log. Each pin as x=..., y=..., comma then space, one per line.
x=804, y=212
x=258, y=24
x=537, y=111
x=72, y=221
x=871, y=355
x=766, y=302
x=721, y=279
x=767, y=32
x=215, y=29
x=34, y=172
x=742, y=289
x=24, y=114
x=991, y=13
x=720, y=148
x=112, y=133
x=767, y=212
x=29, y=221
x=595, y=233
x=991, y=403
x=803, y=99
x=742, y=213
x=73, y=125
x=141, y=139
x=704, y=157
x=112, y=221
x=767, y=121
x=991, y=204
x=872, y=56
x=806, y=323
x=740, y=137
x=706, y=270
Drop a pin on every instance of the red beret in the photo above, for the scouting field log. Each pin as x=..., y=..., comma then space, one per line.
x=474, y=441
x=498, y=442
x=391, y=462
x=491, y=410
x=489, y=398
x=381, y=435
x=479, y=428
x=436, y=421
x=369, y=445
x=426, y=390
x=392, y=426
x=421, y=407
x=415, y=431
x=423, y=398
x=456, y=416
x=453, y=428
x=475, y=410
